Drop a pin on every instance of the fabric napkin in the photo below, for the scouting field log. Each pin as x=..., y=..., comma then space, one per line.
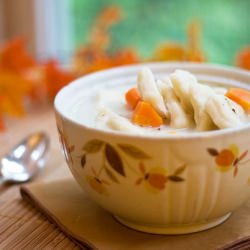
x=91, y=227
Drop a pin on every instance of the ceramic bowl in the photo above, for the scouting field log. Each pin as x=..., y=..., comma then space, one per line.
x=174, y=184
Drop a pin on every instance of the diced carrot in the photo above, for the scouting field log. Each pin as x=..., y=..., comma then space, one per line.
x=132, y=97
x=145, y=115
x=240, y=96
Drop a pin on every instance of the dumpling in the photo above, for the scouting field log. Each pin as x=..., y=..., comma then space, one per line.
x=220, y=90
x=112, y=100
x=110, y=120
x=178, y=116
x=199, y=94
x=149, y=91
x=224, y=112
x=182, y=80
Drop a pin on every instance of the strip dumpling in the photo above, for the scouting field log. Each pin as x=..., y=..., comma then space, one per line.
x=180, y=100
x=199, y=94
x=224, y=112
x=182, y=80
x=178, y=117
x=149, y=92
x=111, y=120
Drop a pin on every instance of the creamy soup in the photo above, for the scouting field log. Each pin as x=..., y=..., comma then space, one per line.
x=176, y=103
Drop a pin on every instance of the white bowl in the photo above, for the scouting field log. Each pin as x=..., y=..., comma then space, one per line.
x=168, y=185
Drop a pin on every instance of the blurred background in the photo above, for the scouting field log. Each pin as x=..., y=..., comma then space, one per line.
x=44, y=44
x=55, y=28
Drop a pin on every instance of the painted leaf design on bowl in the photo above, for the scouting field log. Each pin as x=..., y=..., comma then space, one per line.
x=114, y=159
x=66, y=146
x=111, y=175
x=83, y=160
x=133, y=151
x=97, y=183
x=93, y=146
x=115, y=165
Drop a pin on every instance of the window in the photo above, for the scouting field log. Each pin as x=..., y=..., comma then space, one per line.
x=55, y=28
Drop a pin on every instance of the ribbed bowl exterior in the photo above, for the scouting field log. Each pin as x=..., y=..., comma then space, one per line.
x=175, y=180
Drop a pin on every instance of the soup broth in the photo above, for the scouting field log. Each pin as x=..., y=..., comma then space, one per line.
x=105, y=107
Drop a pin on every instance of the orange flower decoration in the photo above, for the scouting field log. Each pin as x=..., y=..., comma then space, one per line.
x=228, y=158
x=95, y=54
x=172, y=51
x=55, y=78
x=14, y=57
x=156, y=178
x=243, y=58
x=13, y=89
x=191, y=51
x=124, y=57
x=88, y=59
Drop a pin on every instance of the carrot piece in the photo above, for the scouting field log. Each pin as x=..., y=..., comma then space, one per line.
x=240, y=96
x=145, y=115
x=132, y=97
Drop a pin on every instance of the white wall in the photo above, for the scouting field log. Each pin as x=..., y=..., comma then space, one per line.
x=46, y=25
x=19, y=21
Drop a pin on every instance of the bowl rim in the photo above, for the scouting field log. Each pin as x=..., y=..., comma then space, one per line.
x=178, y=136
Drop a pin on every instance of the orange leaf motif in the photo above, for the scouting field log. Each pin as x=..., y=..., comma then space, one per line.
x=55, y=78
x=14, y=57
x=13, y=89
x=243, y=58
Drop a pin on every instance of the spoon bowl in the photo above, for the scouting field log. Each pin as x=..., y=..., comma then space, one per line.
x=26, y=159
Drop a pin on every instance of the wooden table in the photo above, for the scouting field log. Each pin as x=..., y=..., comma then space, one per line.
x=21, y=225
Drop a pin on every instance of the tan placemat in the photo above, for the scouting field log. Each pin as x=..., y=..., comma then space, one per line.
x=66, y=205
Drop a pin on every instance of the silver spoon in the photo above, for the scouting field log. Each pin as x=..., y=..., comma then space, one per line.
x=25, y=160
